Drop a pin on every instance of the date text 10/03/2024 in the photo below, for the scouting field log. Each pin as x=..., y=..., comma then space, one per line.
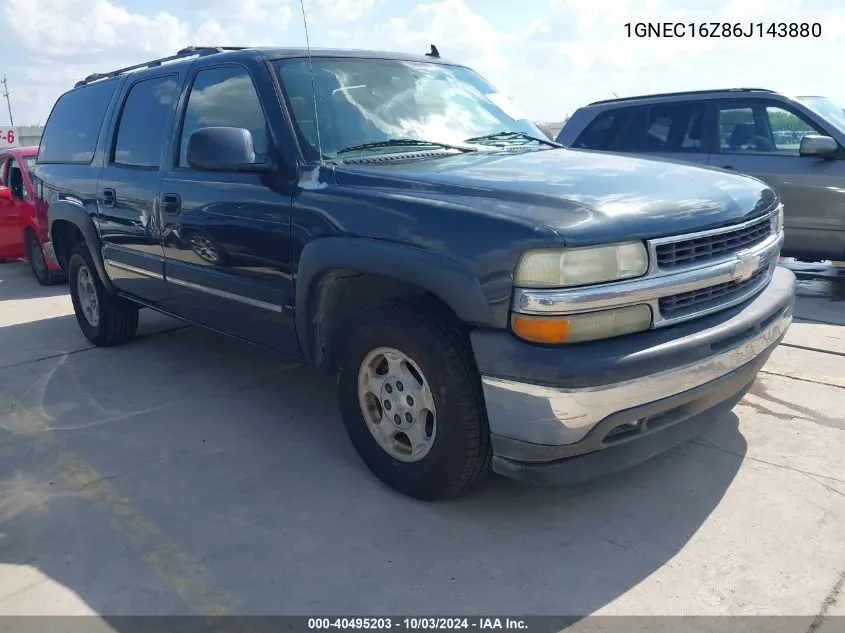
x=724, y=29
x=419, y=624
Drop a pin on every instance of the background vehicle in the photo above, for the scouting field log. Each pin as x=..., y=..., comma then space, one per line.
x=796, y=146
x=486, y=297
x=23, y=216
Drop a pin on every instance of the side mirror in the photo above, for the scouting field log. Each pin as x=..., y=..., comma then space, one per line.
x=223, y=149
x=818, y=146
x=5, y=193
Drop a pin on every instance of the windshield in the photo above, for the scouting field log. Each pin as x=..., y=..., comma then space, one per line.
x=827, y=109
x=362, y=101
x=29, y=163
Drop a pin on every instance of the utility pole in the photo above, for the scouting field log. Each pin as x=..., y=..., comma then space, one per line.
x=8, y=103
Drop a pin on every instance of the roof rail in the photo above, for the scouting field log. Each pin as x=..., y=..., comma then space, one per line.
x=681, y=94
x=189, y=51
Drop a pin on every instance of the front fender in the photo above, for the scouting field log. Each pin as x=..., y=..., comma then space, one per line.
x=77, y=215
x=446, y=279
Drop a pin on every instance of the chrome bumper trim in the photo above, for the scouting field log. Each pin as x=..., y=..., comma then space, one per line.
x=650, y=289
x=554, y=416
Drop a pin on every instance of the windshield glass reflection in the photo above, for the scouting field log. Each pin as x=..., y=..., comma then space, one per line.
x=362, y=101
x=828, y=110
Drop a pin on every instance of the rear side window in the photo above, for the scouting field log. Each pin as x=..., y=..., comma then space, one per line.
x=602, y=131
x=671, y=128
x=675, y=128
x=144, y=121
x=74, y=124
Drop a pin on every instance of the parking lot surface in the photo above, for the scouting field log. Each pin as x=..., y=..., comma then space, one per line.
x=189, y=473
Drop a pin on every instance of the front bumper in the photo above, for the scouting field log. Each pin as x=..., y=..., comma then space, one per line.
x=570, y=413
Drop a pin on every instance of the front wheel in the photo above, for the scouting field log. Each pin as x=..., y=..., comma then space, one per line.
x=411, y=400
x=104, y=318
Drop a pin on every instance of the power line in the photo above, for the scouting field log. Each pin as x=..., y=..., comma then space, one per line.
x=8, y=102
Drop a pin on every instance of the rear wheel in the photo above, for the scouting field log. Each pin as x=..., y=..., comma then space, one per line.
x=38, y=263
x=411, y=400
x=104, y=318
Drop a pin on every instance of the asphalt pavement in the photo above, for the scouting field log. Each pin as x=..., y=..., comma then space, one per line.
x=187, y=473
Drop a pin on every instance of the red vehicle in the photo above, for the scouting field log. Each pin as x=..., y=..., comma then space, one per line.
x=23, y=216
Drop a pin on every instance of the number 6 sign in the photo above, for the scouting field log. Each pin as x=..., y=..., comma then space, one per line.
x=8, y=137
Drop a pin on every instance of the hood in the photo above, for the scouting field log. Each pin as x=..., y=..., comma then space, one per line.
x=586, y=197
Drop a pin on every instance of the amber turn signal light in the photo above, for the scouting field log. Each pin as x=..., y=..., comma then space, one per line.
x=586, y=326
x=540, y=329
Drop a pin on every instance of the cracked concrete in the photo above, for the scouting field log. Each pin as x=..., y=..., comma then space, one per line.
x=188, y=473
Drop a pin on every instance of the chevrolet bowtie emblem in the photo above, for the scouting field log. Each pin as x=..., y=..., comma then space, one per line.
x=745, y=267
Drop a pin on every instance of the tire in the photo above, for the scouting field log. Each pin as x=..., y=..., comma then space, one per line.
x=116, y=318
x=38, y=263
x=459, y=452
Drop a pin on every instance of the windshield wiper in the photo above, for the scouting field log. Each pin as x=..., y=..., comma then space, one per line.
x=504, y=137
x=402, y=142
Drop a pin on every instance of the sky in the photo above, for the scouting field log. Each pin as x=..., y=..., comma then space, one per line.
x=550, y=56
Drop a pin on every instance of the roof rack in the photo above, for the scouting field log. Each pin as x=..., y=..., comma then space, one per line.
x=681, y=94
x=189, y=51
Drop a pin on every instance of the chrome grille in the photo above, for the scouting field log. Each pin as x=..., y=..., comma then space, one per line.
x=703, y=298
x=708, y=247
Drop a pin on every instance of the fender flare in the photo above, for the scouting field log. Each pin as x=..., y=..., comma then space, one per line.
x=77, y=215
x=452, y=283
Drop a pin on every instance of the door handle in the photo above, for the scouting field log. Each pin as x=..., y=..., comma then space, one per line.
x=109, y=197
x=171, y=204
x=728, y=167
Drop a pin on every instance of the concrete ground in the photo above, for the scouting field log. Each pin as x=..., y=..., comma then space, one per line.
x=189, y=473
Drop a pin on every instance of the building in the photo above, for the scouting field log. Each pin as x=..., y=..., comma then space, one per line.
x=550, y=128
x=29, y=134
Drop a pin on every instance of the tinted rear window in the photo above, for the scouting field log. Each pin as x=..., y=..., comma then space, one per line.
x=671, y=127
x=74, y=124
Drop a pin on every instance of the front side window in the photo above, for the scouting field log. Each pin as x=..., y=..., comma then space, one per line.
x=762, y=129
x=144, y=122
x=737, y=129
x=16, y=183
x=224, y=97
x=788, y=130
x=361, y=101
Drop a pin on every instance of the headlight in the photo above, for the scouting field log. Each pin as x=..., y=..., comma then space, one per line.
x=576, y=328
x=580, y=266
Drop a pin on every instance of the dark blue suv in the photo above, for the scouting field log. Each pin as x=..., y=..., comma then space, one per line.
x=487, y=298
